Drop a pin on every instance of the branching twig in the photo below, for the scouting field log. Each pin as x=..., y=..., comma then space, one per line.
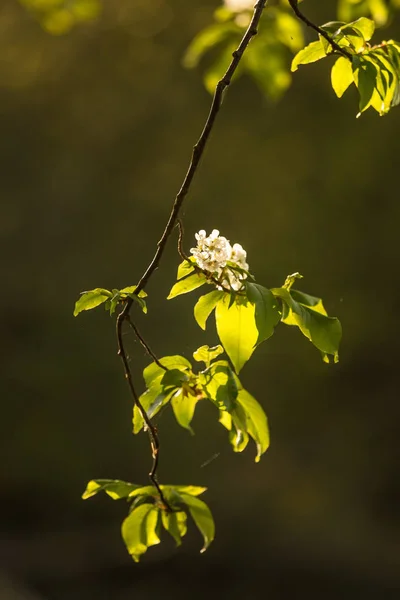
x=154, y=442
x=144, y=343
x=197, y=154
x=299, y=14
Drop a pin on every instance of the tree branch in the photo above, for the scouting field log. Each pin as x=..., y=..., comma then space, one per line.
x=197, y=153
x=299, y=14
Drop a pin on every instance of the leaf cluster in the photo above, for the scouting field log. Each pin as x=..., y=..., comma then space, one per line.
x=374, y=70
x=148, y=516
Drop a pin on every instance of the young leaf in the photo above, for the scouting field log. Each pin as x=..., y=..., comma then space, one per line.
x=323, y=331
x=113, y=487
x=187, y=284
x=153, y=371
x=185, y=268
x=202, y=516
x=267, y=313
x=236, y=328
x=341, y=76
x=365, y=26
x=152, y=401
x=91, y=299
x=206, y=354
x=183, y=406
x=175, y=524
x=311, y=53
x=365, y=75
x=205, y=305
x=220, y=386
x=256, y=421
x=311, y=301
x=139, y=530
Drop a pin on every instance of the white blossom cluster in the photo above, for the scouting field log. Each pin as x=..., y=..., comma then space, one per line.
x=239, y=5
x=224, y=262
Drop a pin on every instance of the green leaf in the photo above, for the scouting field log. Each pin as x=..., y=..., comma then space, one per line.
x=150, y=491
x=153, y=371
x=311, y=53
x=323, y=331
x=207, y=39
x=184, y=406
x=236, y=328
x=365, y=26
x=256, y=421
x=115, y=488
x=91, y=299
x=272, y=76
x=187, y=284
x=185, y=268
x=174, y=378
x=202, y=516
x=152, y=401
x=220, y=385
x=341, y=76
x=267, y=314
x=139, y=530
x=312, y=301
x=205, y=305
x=365, y=76
x=175, y=524
x=206, y=354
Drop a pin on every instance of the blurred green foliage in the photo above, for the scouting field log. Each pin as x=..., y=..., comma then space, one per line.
x=60, y=16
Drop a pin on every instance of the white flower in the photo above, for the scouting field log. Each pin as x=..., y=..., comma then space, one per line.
x=239, y=5
x=225, y=263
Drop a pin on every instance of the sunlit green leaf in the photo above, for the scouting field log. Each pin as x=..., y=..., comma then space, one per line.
x=175, y=524
x=115, y=488
x=267, y=314
x=139, y=530
x=312, y=301
x=205, y=305
x=202, y=516
x=206, y=354
x=341, y=76
x=365, y=26
x=154, y=371
x=91, y=299
x=365, y=75
x=236, y=328
x=185, y=268
x=311, y=53
x=174, y=378
x=220, y=386
x=256, y=421
x=184, y=406
x=323, y=331
x=187, y=285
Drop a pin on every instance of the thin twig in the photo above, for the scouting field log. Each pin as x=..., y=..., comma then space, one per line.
x=144, y=343
x=154, y=441
x=197, y=154
x=299, y=14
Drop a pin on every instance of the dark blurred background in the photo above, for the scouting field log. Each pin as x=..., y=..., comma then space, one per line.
x=97, y=128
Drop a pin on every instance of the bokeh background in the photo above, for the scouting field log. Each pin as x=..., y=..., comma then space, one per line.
x=96, y=132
